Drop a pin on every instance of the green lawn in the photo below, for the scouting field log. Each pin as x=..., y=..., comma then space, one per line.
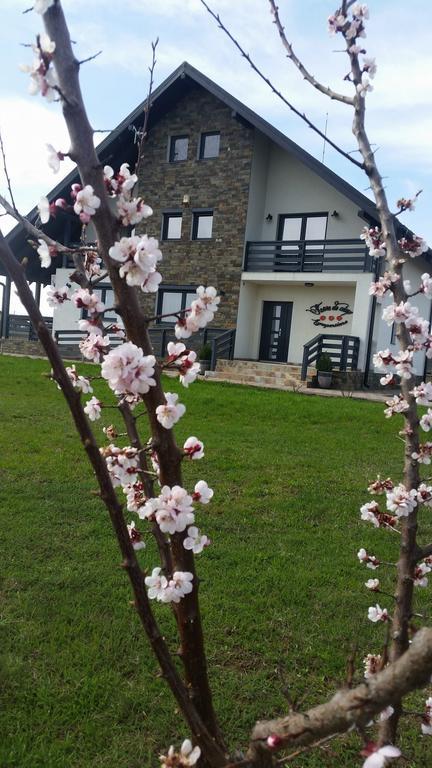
x=281, y=584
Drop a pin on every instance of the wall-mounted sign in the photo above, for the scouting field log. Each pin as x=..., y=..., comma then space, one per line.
x=330, y=315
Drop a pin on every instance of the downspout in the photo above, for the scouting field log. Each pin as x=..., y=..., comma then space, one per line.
x=371, y=329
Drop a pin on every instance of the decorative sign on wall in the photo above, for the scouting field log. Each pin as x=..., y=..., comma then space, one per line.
x=330, y=315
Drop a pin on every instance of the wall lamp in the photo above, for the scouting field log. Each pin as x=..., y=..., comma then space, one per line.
x=335, y=214
x=186, y=201
x=309, y=285
x=269, y=217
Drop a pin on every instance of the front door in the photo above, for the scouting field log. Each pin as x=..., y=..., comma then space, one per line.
x=275, y=331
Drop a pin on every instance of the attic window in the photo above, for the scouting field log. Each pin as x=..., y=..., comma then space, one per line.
x=209, y=145
x=178, y=149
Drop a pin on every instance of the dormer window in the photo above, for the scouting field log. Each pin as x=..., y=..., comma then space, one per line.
x=178, y=149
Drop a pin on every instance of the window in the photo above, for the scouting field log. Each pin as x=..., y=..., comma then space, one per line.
x=202, y=225
x=173, y=299
x=171, y=226
x=178, y=149
x=209, y=145
x=302, y=226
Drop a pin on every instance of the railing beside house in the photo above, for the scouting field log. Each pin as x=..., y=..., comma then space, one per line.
x=307, y=256
x=20, y=326
x=221, y=341
x=343, y=351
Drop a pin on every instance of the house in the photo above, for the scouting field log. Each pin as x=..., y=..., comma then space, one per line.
x=240, y=206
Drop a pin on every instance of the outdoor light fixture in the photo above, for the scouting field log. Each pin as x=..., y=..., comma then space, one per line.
x=309, y=285
x=335, y=214
x=186, y=201
x=269, y=217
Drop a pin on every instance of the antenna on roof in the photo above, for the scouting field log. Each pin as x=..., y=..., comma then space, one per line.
x=325, y=134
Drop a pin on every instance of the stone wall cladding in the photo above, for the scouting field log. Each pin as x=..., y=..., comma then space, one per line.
x=220, y=183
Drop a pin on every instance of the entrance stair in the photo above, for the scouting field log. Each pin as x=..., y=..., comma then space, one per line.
x=261, y=374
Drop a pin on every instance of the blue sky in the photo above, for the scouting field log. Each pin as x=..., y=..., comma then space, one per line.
x=399, y=109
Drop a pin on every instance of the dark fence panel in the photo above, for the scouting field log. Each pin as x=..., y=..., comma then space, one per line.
x=307, y=256
x=343, y=351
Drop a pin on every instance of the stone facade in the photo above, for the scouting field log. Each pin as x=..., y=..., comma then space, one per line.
x=220, y=184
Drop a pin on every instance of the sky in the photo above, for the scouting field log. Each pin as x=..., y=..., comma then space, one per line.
x=399, y=110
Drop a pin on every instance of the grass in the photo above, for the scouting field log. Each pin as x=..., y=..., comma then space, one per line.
x=281, y=585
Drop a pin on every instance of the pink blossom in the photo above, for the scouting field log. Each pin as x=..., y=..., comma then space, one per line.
x=171, y=412
x=336, y=23
x=382, y=359
x=185, y=362
x=364, y=87
x=195, y=540
x=193, y=448
x=83, y=299
x=93, y=347
x=374, y=241
x=426, y=420
x=133, y=211
x=201, y=313
x=128, y=370
x=369, y=66
x=57, y=296
x=91, y=325
x=172, y=509
x=424, y=454
x=380, y=486
x=86, y=203
x=376, y=613
x=397, y=404
x=93, y=409
x=399, y=313
x=387, y=379
x=136, y=497
x=426, y=285
x=420, y=574
x=413, y=246
x=403, y=363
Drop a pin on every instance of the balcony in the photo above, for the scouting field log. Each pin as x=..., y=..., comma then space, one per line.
x=307, y=256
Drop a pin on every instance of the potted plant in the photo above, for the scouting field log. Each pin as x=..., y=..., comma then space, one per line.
x=204, y=357
x=324, y=367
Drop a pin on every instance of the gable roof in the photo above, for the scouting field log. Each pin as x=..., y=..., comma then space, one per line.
x=120, y=144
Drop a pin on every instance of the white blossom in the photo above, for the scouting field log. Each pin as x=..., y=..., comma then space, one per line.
x=385, y=714
x=170, y=413
x=399, y=313
x=369, y=560
x=79, y=382
x=401, y=501
x=43, y=207
x=54, y=158
x=93, y=409
x=426, y=420
x=138, y=256
x=420, y=574
x=364, y=87
x=184, y=361
x=133, y=211
x=372, y=664
x=172, y=509
x=372, y=584
x=195, y=540
x=135, y=537
x=172, y=591
x=83, y=299
x=201, y=312
x=128, y=370
x=188, y=756
x=57, y=296
x=426, y=285
x=376, y=613
x=44, y=252
x=426, y=725
x=194, y=448
x=122, y=464
x=86, y=203
x=379, y=758
x=41, y=6
x=369, y=66
x=202, y=492
x=397, y=404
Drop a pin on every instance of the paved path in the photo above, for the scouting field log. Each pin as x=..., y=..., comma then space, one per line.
x=371, y=395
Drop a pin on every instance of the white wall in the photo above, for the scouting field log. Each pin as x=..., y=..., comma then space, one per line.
x=280, y=183
x=412, y=271
x=257, y=288
x=66, y=316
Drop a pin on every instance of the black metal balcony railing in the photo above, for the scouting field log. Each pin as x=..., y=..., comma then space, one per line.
x=307, y=256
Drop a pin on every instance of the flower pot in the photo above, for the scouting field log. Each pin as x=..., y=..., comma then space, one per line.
x=324, y=379
x=204, y=366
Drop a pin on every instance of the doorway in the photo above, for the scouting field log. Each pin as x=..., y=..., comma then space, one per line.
x=275, y=331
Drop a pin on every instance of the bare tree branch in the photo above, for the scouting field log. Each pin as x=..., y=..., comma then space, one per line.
x=6, y=173
x=300, y=66
x=354, y=707
x=277, y=92
x=147, y=107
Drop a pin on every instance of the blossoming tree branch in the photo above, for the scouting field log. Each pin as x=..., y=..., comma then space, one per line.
x=144, y=477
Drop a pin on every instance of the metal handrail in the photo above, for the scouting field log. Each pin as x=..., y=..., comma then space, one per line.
x=307, y=256
x=343, y=351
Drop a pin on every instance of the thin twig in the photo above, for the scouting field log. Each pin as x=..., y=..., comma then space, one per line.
x=147, y=107
x=90, y=58
x=278, y=93
x=6, y=173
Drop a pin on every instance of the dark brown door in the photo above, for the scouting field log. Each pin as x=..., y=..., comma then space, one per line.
x=275, y=331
